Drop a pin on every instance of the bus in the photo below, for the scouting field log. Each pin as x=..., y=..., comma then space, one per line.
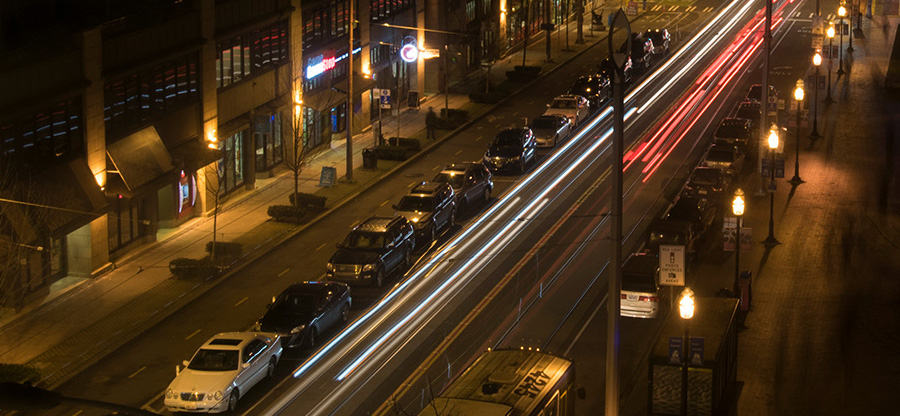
x=509, y=382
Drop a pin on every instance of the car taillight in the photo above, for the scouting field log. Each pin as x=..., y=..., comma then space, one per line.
x=649, y=299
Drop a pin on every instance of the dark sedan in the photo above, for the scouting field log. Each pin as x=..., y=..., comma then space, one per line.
x=596, y=88
x=304, y=310
x=512, y=149
x=708, y=182
x=550, y=129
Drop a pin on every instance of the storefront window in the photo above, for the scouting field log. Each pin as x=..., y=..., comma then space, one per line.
x=231, y=167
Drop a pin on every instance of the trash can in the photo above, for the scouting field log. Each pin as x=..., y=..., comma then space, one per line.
x=745, y=293
x=370, y=158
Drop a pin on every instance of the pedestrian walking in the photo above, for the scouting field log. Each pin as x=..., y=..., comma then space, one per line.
x=430, y=121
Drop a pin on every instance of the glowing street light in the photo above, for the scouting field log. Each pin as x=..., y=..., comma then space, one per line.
x=817, y=60
x=686, y=310
x=737, y=208
x=770, y=241
x=798, y=96
x=842, y=11
x=830, y=34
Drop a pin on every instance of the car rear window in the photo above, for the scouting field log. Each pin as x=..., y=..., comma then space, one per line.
x=705, y=177
x=638, y=283
x=544, y=123
x=455, y=179
x=416, y=203
x=720, y=155
x=362, y=239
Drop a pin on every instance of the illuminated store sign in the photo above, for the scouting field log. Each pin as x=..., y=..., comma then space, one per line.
x=319, y=65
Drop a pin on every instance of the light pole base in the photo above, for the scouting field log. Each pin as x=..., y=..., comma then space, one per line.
x=796, y=180
x=841, y=72
x=850, y=49
x=815, y=134
x=770, y=242
x=828, y=99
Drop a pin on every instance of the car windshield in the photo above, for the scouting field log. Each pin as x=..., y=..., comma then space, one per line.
x=416, y=203
x=295, y=303
x=544, y=123
x=507, y=139
x=565, y=104
x=455, y=179
x=705, y=177
x=638, y=283
x=362, y=239
x=214, y=360
x=720, y=155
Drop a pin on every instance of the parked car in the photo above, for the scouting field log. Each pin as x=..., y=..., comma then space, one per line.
x=699, y=212
x=749, y=110
x=226, y=366
x=429, y=206
x=735, y=131
x=550, y=129
x=575, y=107
x=754, y=93
x=608, y=69
x=596, y=88
x=640, y=286
x=512, y=148
x=672, y=232
x=725, y=156
x=377, y=247
x=661, y=40
x=708, y=182
x=641, y=52
x=304, y=310
x=471, y=182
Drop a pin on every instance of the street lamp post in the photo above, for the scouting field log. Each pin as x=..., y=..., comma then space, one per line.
x=737, y=208
x=850, y=34
x=686, y=310
x=830, y=33
x=798, y=96
x=771, y=241
x=817, y=60
x=842, y=11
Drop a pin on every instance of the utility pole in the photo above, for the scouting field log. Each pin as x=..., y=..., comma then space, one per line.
x=349, y=175
x=764, y=95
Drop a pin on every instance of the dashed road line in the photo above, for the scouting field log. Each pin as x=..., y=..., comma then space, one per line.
x=241, y=301
x=192, y=334
x=286, y=270
x=386, y=201
x=137, y=372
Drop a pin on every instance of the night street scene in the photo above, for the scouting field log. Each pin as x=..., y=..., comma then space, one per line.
x=449, y=208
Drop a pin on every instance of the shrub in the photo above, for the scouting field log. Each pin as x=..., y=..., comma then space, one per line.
x=225, y=249
x=390, y=152
x=408, y=143
x=286, y=212
x=492, y=97
x=184, y=267
x=19, y=373
x=455, y=114
x=310, y=202
x=445, y=123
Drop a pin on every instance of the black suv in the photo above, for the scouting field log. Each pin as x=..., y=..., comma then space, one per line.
x=641, y=52
x=512, y=148
x=304, y=310
x=596, y=88
x=700, y=212
x=734, y=131
x=375, y=248
x=471, y=183
x=430, y=206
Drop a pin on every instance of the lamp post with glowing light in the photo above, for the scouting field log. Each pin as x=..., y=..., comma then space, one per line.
x=798, y=96
x=686, y=310
x=770, y=241
x=817, y=60
x=737, y=208
x=830, y=33
x=842, y=11
x=850, y=32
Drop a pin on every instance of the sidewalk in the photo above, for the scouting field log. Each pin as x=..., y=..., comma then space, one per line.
x=84, y=319
x=821, y=336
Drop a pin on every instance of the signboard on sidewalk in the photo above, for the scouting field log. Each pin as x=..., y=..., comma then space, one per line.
x=632, y=9
x=326, y=179
x=765, y=165
x=729, y=234
x=671, y=265
x=386, y=98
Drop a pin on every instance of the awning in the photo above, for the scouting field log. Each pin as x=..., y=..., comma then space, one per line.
x=138, y=159
x=194, y=155
x=65, y=197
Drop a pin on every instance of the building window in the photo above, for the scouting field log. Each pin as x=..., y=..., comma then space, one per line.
x=470, y=11
x=485, y=8
x=383, y=9
x=268, y=141
x=231, y=166
x=124, y=224
x=140, y=97
x=240, y=56
x=54, y=133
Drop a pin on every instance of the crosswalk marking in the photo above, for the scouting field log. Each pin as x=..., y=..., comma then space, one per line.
x=656, y=8
x=691, y=8
x=708, y=9
x=673, y=8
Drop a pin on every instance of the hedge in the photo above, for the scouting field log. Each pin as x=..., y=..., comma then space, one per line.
x=408, y=143
x=455, y=114
x=390, y=152
x=184, y=267
x=286, y=212
x=308, y=201
x=225, y=249
x=19, y=373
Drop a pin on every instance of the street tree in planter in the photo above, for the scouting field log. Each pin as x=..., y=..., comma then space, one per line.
x=293, y=157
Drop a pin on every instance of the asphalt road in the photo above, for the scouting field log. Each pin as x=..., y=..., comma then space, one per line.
x=137, y=373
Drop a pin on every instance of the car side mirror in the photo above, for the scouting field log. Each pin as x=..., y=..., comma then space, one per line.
x=394, y=207
x=245, y=365
x=273, y=301
x=177, y=370
x=390, y=245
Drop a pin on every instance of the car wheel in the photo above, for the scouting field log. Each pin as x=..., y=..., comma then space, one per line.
x=270, y=369
x=233, y=400
x=452, y=220
x=487, y=194
x=345, y=314
x=463, y=205
x=521, y=166
x=407, y=259
x=555, y=140
x=432, y=232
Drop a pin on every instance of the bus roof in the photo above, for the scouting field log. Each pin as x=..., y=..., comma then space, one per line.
x=463, y=407
x=517, y=378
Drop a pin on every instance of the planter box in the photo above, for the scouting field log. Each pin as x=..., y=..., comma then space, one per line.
x=391, y=152
x=408, y=143
x=286, y=213
x=310, y=202
x=225, y=250
x=190, y=268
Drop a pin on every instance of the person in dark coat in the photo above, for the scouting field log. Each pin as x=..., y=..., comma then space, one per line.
x=430, y=123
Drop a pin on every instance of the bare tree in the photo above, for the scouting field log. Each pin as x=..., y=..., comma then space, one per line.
x=294, y=153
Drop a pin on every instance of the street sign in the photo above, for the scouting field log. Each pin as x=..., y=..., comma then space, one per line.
x=818, y=25
x=632, y=9
x=791, y=118
x=765, y=166
x=676, y=349
x=671, y=265
x=729, y=233
x=818, y=40
x=385, y=98
x=811, y=80
x=696, y=351
x=326, y=179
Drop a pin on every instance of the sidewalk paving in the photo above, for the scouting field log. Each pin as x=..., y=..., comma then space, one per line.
x=84, y=319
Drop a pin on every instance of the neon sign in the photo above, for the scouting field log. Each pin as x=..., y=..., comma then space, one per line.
x=319, y=65
x=409, y=53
